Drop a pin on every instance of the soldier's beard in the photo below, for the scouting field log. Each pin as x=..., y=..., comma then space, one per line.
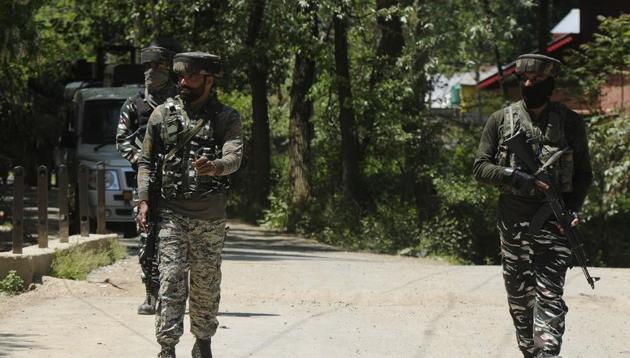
x=190, y=94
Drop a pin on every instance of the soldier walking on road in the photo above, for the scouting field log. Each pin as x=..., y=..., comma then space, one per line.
x=159, y=82
x=197, y=142
x=535, y=252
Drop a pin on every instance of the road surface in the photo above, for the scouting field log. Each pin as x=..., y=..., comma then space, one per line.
x=284, y=296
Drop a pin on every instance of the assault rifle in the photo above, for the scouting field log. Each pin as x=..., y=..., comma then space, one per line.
x=553, y=197
x=147, y=257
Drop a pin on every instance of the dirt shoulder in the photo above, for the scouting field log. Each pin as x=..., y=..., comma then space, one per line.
x=284, y=296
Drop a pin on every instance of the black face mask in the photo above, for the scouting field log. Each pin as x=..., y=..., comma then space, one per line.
x=537, y=95
x=156, y=79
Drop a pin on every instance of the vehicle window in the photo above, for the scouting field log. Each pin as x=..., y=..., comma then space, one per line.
x=100, y=121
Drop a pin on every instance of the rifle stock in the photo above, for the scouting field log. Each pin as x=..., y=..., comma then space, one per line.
x=523, y=151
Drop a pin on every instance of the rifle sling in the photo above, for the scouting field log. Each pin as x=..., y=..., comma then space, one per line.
x=185, y=141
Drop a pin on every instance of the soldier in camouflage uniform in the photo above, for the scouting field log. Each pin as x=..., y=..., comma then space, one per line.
x=535, y=254
x=198, y=139
x=159, y=81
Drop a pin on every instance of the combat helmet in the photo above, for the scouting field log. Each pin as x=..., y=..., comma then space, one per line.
x=161, y=49
x=198, y=62
x=541, y=64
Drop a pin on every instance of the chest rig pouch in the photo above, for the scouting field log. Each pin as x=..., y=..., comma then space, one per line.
x=143, y=110
x=545, y=141
x=196, y=137
x=172, y=166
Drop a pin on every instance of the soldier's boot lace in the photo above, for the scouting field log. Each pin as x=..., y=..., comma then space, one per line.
x=201, y=349
x=168, y=351
x=148, y=306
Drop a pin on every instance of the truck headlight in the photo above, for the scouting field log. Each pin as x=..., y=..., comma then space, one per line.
x=111, y=180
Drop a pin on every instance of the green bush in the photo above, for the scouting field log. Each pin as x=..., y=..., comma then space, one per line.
x=12, y=284
x=78, y=261
x=607, y=207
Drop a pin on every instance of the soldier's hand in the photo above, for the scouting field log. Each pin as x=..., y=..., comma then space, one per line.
x=204, y=166
x=522, y=181
x=541, y=185
x=143, y=211
x=574, y=223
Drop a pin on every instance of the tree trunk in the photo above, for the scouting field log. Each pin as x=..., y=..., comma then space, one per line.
x=543, y=26
x=349, y=143
x=497, y=57
x=389, y=49
x=299, y=123
x=157, y=21
x=416, y=104
x=391, y=44
x=258, y=71
x=138, y=24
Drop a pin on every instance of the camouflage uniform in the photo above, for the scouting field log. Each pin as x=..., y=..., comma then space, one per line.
x=535, y=256
x=192, y=209
x=134, y=116
x=193, y=244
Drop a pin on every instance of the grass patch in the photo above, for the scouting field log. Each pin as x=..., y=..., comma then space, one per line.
x=78, y=261
x=11, y=284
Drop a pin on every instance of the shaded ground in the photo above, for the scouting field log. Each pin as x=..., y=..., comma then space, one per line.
x=284, y=296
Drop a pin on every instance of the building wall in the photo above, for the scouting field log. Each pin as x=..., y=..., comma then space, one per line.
x=616, y=94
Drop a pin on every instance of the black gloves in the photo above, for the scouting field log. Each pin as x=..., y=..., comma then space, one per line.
x=519, y=180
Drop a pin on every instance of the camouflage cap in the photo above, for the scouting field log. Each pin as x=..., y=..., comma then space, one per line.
x=197, y=62
x=161, y=49
x=156, y=54
x=541, y=64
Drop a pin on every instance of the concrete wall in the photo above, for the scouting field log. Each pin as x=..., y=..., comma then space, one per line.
x=35, y=262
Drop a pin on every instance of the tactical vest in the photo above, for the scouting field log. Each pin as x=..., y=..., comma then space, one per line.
x=143, y=113
x=179, y=178
x=544, y=145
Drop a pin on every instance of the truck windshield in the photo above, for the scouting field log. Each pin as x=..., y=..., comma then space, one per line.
x=100, y=121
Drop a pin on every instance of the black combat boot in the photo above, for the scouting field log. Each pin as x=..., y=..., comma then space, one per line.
x=148, y=306
x=201, y=349
x=167, y=351
x=547, y=355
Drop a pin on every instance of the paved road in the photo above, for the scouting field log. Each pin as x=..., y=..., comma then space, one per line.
x=288, y=297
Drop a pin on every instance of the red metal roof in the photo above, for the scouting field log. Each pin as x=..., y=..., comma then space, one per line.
x=511, y=67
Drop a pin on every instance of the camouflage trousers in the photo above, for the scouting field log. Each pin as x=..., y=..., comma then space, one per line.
x=188, y=244
x=534, y=268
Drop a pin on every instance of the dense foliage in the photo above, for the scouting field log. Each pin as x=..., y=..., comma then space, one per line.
x=374, y=168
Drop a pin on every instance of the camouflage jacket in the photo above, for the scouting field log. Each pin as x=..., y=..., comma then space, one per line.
x=134, y=116
x=489, y=163
x=166, y=128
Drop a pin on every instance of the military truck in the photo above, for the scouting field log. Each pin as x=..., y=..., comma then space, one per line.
x=92, y=115
x=91, y=139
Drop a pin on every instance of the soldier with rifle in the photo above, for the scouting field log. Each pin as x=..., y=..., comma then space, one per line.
x=536, y=151
x=159, y=82
x=193, y=141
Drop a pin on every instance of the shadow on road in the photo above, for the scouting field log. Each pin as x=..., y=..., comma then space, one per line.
x=247, y=314
x=258, y=247
x=11, y=342
x=264, y=255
